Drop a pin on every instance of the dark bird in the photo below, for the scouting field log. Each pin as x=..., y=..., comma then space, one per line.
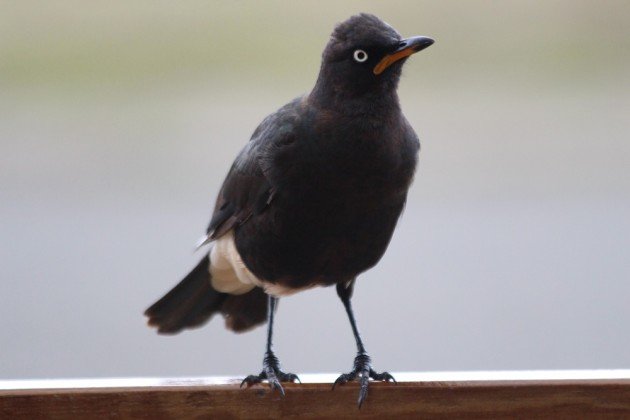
x=311, y=200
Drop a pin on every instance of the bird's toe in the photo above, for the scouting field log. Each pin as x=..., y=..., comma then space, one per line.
x=275, y=384
x=344, y=378
x=288, y=377
x=252, y=380
x=364, y=383
x=384, y=376
x=363, y=372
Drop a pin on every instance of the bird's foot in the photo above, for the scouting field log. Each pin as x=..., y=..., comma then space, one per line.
x=271, y=373
x=362, y=371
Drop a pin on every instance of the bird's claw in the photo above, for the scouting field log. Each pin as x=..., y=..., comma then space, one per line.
x=344, y=378
x=252, y=380
x=289, y=377
x=272, y=374
x=384, y=376
x=363, y=371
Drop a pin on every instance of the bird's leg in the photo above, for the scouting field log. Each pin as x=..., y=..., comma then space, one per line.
x=271, y=365
x=362, y=369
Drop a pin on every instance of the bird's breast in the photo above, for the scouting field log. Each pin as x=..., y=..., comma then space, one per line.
x=340, y=191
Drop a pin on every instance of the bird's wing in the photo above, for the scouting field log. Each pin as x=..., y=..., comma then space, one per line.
x=248, y=188
x=245, y=191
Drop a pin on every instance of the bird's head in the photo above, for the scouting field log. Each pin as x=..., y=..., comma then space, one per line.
x=364, y=57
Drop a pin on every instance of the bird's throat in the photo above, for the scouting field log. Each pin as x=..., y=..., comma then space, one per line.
x=377, y=99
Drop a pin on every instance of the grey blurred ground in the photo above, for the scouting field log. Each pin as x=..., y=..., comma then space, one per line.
x=119, y=121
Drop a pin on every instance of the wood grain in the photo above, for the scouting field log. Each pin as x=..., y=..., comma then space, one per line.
x=496, y=399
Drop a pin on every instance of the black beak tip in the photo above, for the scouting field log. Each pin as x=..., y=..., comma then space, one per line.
x=429, y=41
x=417, y=43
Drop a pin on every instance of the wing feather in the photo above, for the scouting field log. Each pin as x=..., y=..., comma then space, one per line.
x=247, y=190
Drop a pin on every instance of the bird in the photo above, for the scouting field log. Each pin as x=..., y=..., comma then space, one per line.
x=312, y=199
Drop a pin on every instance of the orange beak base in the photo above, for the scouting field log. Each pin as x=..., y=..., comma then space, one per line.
x=406, y=48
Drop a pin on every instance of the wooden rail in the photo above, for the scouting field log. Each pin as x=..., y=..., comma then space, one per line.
x=452, y=395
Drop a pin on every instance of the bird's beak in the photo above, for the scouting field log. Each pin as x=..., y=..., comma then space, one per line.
x=405, y=49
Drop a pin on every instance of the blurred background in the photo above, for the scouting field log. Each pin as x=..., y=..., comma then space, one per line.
x=119, y=120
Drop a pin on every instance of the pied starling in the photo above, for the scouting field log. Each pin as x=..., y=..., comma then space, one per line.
x=311, y=200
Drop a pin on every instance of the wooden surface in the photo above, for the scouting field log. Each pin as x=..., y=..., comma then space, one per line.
x=524, y=395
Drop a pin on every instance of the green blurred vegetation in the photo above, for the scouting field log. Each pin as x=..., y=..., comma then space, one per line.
x=71, y=45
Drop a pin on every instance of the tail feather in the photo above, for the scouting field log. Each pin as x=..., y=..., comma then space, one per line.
x=189, y=304
x=193, y=302
x=244, y=312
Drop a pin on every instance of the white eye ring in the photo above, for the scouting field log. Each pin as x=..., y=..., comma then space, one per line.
x=360, y=56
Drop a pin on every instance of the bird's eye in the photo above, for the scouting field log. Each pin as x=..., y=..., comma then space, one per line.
x=360, y=56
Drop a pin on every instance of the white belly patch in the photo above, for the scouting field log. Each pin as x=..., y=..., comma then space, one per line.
x=230, y=275
x=228, y=272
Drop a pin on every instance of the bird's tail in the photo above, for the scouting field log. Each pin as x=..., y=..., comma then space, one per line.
x=193, y=302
